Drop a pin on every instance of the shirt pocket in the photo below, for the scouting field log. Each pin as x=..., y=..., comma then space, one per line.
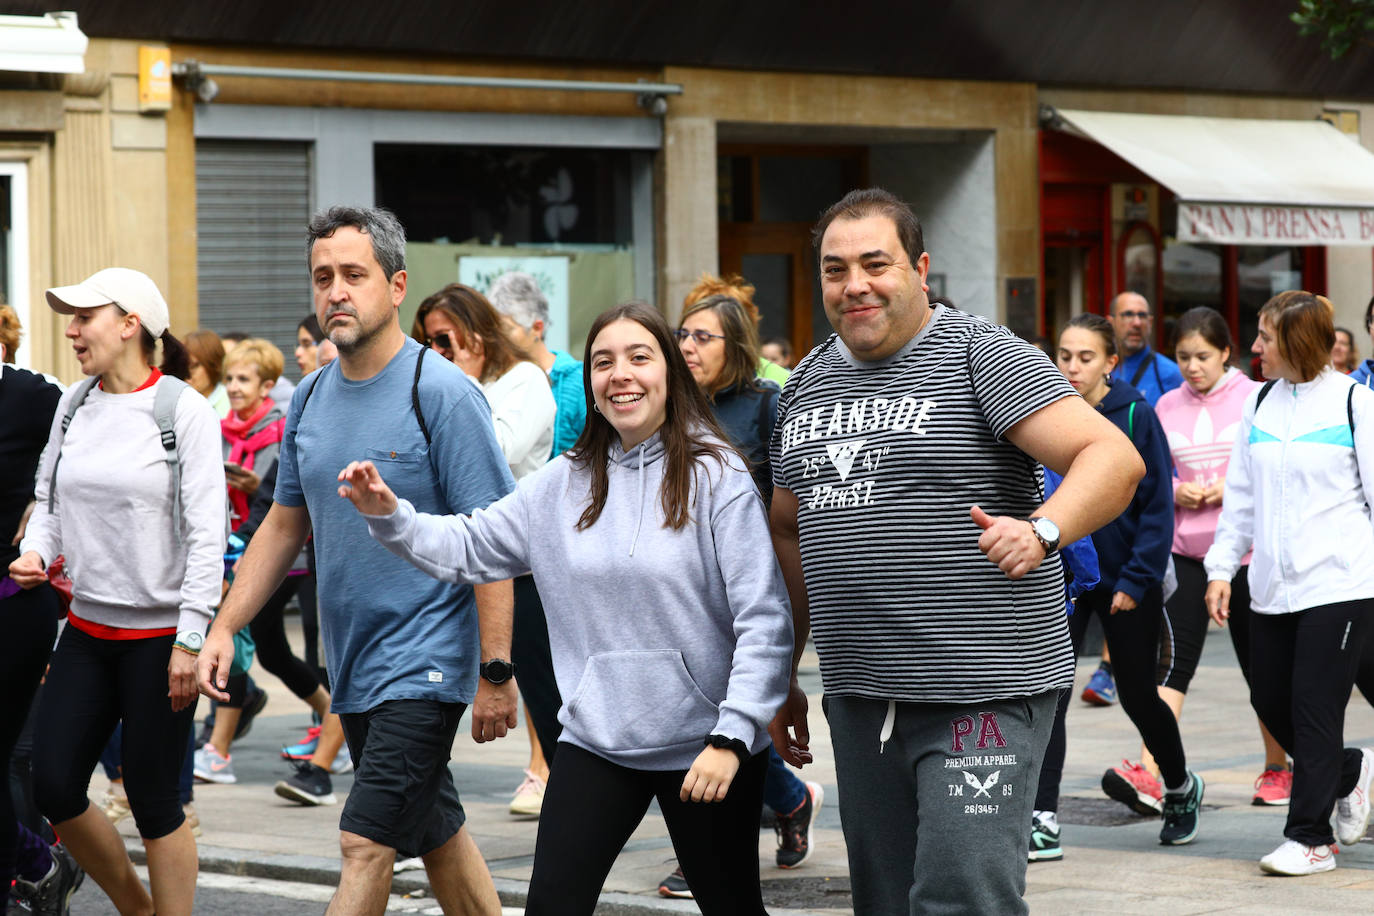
x=408, y=473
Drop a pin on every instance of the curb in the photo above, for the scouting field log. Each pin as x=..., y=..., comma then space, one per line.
x=325, y=871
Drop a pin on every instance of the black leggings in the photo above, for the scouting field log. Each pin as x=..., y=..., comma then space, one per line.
x=534, y=666
x=1184, y=630
x=30, y=626
x=1304, y=665
x=1134, y=640
x=269, y=634
x=93, y=684
x=592, y=806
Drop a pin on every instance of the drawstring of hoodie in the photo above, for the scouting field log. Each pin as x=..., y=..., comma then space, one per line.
x=888, y=722
x=640, y=523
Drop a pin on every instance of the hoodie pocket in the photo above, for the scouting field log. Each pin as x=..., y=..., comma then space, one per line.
x=639, y=700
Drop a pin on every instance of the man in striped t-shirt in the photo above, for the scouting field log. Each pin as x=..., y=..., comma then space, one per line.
x=909, y=521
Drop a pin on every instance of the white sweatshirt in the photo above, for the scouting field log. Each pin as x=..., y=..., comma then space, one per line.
x=113, y=515
x=1299, y=487
x=523, y=411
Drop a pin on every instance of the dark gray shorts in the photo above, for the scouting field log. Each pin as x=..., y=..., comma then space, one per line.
x=403, y=794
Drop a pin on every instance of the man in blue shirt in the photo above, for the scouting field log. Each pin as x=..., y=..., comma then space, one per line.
x=1150, y=372
x=403, y=649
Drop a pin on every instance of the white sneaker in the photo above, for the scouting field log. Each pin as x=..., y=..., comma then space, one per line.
x=407, y=865
x=1352, y=812
x=1295, y=859
x=529, y=797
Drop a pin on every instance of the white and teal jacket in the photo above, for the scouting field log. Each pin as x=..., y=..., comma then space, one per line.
x=1299, y=488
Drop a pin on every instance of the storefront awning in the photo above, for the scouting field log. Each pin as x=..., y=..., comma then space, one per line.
x=1247, y=181
x=42, y=44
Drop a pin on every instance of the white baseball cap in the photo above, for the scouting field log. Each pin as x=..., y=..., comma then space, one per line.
x=131, y=290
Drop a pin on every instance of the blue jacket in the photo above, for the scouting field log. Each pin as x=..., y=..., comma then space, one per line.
x=747, y=415
x=1161, y=374
x=1080, y=559
x=1133, y=549
x=1364, y=373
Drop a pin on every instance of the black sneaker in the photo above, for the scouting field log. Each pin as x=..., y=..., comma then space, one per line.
x=251, y=707
x=51, y=896
x=309, y=785
x=794, y=830
x=675, y=885
x=1181, y=814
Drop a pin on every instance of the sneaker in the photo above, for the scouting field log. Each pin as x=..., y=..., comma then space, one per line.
x=309, y=785
x=211, y=766
x=306, y=749
x=675, y=885
x=1273, y=787
x=1352, y=811
x=1044, y=838
x=412, y=864
x=342, y=763
x=1135, y=787
x=251, y=707
x=1295, y=859
x=52, y=896
x=115, y=804
x=1181, y=813
x=192, y=818
x=794, y=830
x=529, y=797
x=1101, y=689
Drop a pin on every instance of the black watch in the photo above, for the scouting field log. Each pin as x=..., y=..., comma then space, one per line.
x=730, y=744
x=497, y=671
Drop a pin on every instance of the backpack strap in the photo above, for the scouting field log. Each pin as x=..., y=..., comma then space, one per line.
x=1130, y=421
x=415, y=395
x=165, y=399
x=1264, y=393
x=77, y=400
x=1350, y=409
x=1145, y=362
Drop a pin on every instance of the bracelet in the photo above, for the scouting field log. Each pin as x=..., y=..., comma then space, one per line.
x=187, y=649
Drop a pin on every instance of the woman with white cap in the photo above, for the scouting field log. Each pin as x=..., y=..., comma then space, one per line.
x=131, y=491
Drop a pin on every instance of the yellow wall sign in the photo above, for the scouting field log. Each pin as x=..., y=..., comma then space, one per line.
x=154, y=78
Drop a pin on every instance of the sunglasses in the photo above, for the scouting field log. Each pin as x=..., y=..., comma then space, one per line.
x=443, y=340
x=700, y=336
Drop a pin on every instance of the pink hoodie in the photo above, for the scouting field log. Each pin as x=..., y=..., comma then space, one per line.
x=1202, y=429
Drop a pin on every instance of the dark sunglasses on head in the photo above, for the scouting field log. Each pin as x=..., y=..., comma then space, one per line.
x=700, y=336
x=444, y=339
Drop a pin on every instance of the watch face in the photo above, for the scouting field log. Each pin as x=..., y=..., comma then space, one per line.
x=1047, y=529
x=498, y=671
x=191, y=640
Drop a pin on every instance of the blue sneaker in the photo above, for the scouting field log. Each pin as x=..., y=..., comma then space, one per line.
x=1101, y=689
x=306, y=749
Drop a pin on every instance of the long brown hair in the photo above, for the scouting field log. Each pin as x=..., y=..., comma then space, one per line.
x=474, y=316
x=689, y=431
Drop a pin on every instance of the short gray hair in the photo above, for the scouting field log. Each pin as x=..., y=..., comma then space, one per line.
x=518, y=295
x=381, y=226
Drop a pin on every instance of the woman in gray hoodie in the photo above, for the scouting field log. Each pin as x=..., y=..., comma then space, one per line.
x=668, y=619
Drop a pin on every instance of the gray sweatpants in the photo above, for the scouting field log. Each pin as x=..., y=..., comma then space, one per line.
x=937, y=818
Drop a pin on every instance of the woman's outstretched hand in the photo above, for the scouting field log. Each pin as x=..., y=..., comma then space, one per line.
x=363, y=486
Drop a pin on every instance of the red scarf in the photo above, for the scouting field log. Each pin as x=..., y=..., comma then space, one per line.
x=243, y=448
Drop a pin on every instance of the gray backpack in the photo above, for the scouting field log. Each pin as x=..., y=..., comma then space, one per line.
x=164, y=411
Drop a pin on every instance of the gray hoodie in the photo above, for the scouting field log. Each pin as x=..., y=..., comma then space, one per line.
x=659, y=637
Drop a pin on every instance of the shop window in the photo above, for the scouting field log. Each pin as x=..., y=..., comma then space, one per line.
x=1192, y=277
x=563, y=214
x=1263, y=272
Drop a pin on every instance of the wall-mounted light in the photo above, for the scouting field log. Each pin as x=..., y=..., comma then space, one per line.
x=194, y=78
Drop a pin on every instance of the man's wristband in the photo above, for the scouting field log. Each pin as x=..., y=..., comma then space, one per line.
x=730, y=744
x=185, y=648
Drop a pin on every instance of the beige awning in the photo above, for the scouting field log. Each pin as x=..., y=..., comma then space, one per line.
x=1247, y=181
x=51, y=43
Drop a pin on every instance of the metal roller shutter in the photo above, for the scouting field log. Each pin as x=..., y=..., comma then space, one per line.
x=252, y=206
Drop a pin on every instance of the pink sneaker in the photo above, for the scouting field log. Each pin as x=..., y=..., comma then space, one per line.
x=1273, y=787
x=1134, y=786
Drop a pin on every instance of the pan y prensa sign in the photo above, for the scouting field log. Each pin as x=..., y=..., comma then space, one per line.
x=1261, y=224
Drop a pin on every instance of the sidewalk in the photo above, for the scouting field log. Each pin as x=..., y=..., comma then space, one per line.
x=1113, y=862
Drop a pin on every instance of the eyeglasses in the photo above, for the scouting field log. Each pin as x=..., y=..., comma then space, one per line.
x=700, y=336
x=444, y=340
x=1135, y=316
